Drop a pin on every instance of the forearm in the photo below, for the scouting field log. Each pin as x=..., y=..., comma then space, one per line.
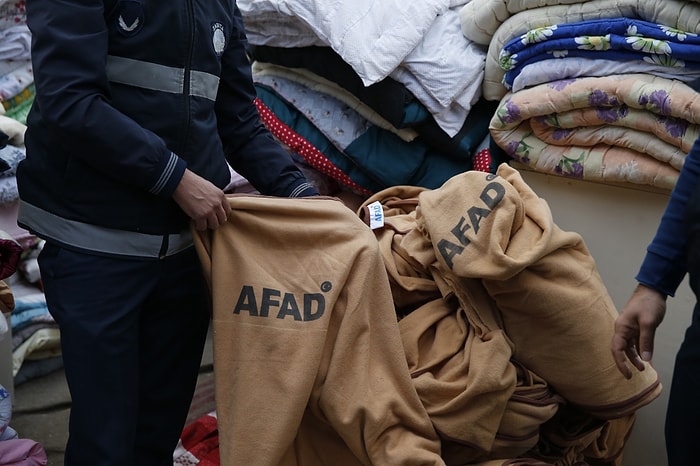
x=664, y=264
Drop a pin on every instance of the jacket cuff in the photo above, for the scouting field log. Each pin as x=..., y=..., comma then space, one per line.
x=302, y=188
x=170, y=176
x=660, y=273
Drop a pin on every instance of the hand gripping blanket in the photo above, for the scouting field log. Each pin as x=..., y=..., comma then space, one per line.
x=308, y=362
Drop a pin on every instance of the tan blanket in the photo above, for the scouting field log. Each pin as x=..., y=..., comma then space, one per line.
x=462, y=369
x=523, y=324
x=308, y=361
x=542, y=280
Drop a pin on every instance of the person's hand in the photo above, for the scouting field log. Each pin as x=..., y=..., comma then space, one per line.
x=202, y=201
x=635, y=329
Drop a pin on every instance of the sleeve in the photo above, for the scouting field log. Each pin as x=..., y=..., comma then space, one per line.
x=69, y=53
x=664, y=265
x=250, y=148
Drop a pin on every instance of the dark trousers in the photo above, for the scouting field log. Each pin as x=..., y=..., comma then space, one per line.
x=132, y=335
x=683, y=413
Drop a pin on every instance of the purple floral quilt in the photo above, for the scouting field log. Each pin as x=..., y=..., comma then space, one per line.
x=630, y=128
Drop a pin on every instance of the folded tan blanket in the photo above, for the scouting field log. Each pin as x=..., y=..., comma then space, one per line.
x=460, y=371
x=473, y=354
x=308, y=359
x=543, y=282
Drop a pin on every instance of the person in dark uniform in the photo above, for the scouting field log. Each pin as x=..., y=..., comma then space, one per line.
x=673, y=253
x=139, y=106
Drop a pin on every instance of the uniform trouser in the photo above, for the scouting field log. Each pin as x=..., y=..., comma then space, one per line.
x=132, y=335
x=683, y=413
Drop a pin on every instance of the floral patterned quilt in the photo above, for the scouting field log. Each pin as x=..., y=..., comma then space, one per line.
x=521, y=16
x=481, y=18
x=619, y=39
x=633, y=128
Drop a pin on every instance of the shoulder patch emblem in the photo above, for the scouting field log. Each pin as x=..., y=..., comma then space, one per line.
x=131, y=18
x=218, y=38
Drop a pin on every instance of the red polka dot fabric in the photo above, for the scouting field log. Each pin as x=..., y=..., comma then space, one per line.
x=482, y=161
x=305, y=149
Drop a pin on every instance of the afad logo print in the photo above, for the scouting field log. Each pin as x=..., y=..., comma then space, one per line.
x=278, y=304
x=131, y=18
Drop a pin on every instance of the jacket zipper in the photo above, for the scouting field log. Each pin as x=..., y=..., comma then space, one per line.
x=187, y=78
x=162, y=254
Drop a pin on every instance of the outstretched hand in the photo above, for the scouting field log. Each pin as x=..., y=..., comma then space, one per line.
x=202, y=201
x=635, y=329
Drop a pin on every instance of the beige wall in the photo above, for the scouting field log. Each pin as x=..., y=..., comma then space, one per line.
x=617, y=223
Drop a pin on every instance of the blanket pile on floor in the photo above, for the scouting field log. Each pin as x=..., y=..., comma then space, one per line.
x=458, y=321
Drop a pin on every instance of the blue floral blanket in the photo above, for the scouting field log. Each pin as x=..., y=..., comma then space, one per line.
x=622, y=39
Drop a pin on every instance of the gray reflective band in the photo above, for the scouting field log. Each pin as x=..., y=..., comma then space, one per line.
x=300, y=189
x=204, y=85
x=162, y=78
x=100, y=239
x=169, y=169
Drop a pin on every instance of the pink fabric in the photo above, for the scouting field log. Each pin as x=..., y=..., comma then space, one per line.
x=22, y=452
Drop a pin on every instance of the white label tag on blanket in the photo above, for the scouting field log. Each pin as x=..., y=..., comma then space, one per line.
x=376, y=215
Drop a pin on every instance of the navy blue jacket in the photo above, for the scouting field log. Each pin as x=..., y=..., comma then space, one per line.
x=665, y=263
x=129, y=94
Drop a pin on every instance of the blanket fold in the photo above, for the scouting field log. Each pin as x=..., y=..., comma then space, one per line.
x=629, y=128
x=308, y=361
x=511, y=311
x=521, y=16
x=552, y=301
